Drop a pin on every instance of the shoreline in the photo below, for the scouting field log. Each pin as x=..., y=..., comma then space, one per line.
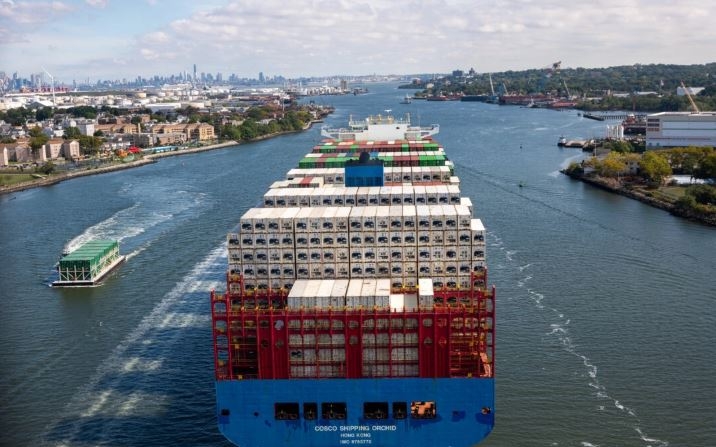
x=636, y=194
x=146, y=159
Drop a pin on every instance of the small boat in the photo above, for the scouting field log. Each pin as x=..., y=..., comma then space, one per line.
x=89, y=264
x=562, y=141
x=407, y=100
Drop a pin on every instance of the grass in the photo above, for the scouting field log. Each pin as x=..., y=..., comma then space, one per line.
x=673, y=192
x=14, y=179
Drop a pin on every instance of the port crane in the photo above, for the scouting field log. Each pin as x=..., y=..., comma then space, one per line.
x=691, y=100
x=52, y=80
x=548, y=72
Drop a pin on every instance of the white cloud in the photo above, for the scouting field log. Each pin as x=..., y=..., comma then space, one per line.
x=97, y=3
x=24, y=13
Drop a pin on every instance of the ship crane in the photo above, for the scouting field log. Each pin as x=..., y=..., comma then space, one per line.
x=691, y=100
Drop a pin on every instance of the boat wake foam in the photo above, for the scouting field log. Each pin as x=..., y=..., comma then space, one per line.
x=125, y=383
x=560, y=330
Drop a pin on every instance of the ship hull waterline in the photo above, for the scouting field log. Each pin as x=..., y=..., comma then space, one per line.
x=465, y=412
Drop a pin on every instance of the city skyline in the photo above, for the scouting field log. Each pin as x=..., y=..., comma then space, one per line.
x=76, y=40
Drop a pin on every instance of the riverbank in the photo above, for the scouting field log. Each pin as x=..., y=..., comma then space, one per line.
x=641, y=194
x=146, y=159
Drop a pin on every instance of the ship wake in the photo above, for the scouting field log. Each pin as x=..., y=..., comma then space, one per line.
x=127, y=386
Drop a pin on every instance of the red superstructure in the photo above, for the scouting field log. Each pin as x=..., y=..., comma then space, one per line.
x=256, y=336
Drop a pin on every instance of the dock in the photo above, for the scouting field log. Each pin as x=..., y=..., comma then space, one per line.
x=613, y=116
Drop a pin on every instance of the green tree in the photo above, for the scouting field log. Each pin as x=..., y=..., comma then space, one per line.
x=72, y=133
x=249, y=130
x=707, y=166
x=37, y=139
x=654, y=167
x=88, y=112
x=44, y=113
x=47, y=168
x=621, y=146
x=90, y=145
x=612, y=166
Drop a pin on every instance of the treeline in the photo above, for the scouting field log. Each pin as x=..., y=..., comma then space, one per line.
x=19, y=116
x=655, y=166
x=251, y=127
x=663, y=79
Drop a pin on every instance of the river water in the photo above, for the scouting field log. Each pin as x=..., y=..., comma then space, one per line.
x=606, y=311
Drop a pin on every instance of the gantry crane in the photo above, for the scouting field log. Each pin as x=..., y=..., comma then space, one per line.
x=691, y=100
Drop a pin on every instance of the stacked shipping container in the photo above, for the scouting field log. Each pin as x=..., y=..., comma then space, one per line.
x=365, y=281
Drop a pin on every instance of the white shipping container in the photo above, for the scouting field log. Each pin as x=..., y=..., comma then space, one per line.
x=316, y=197
x=464, y=217
x=355, y=221
x=431, y=194
x=369, y=215
x=397, y=302
x=419, y=194
x=449, y=217
x=342, y=254
x=384, y=195
x=409, y=217
x=342, y=270
x=396, y=218
x=382, y=218
x=373, y=195
x=423, y=216
x=341, y=218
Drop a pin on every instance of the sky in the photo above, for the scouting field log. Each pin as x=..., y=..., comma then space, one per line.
x=116, y=39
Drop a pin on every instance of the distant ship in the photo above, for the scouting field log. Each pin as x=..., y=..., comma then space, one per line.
x=407, y=99
x=357, y=309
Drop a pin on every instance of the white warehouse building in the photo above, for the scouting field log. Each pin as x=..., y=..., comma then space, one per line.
x=680, y=129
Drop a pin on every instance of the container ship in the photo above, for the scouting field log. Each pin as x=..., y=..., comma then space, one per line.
x=357, y=308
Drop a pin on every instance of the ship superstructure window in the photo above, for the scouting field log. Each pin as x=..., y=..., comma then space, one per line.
x=310, y=411
x=423, y=410
x=333, y=410
x=284, y=411
x=375, y=410
x=400, y=410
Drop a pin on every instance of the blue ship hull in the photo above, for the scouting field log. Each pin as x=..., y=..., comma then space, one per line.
x=464, y=413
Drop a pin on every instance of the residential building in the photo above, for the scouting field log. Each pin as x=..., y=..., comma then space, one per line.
x=195, y=131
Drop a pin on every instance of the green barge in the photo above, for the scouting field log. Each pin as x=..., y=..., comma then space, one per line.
x=89, y=264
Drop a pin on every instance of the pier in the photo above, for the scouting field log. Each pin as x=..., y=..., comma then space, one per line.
x=620, y=116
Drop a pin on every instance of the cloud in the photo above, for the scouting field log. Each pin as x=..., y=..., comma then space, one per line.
x=29, y=13
x=97, y=3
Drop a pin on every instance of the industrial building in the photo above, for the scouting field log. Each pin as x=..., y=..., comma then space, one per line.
x=680, y=129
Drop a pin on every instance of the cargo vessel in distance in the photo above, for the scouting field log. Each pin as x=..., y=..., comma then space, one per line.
x=357, y=308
